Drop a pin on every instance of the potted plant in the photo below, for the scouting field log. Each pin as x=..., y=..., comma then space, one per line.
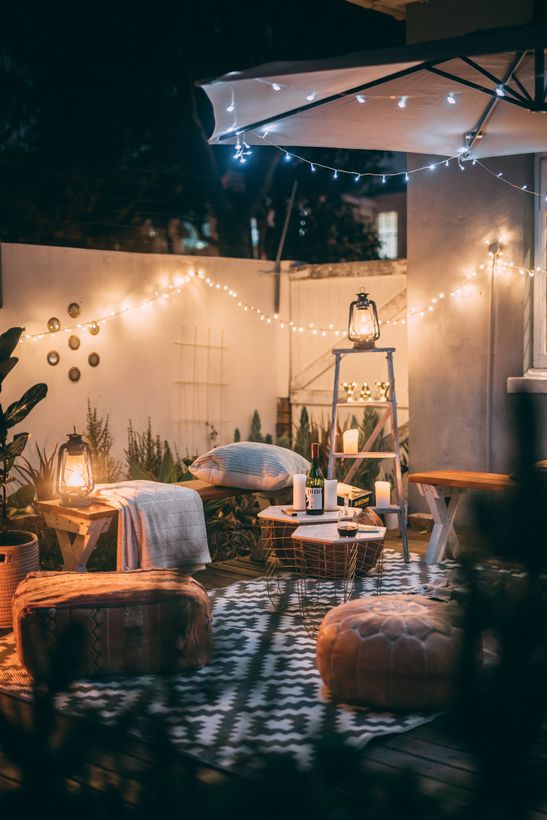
x=18, y=549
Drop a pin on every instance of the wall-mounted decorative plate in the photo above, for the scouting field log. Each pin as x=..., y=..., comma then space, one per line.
x=93, y=359
x=74, y=374
x=53, y=324
x=94, y=328
x=73, y=309
x=74, y=342
x=53, y=358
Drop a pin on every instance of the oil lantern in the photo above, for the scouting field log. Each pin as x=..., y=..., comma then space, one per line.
x=363, y=326
x=75, y=472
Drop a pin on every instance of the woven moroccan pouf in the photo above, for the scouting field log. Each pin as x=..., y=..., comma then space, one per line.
x=140, y=622
x=389, y=651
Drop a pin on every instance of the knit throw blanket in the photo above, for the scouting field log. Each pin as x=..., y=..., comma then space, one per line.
x=159, y=525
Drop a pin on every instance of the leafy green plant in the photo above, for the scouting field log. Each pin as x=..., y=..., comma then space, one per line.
x=232, y=526
x=106, y=468
x=150, y=458
x=303, y=437
x=42, y=477
x=255, y=433
x=15, y=504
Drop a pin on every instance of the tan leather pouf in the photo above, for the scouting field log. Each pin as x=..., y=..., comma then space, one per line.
x=389, y=651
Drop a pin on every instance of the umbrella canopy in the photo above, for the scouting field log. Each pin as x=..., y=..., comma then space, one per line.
x=483, y=94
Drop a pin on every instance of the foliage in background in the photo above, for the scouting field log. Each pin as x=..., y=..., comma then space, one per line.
x=149, y=457
x=255, y=433
x=106, y=468
x=42, y=476
x=17, y=503
x=232, y=526
x=368, y=470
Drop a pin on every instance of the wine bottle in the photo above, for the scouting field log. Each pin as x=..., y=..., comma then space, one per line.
x=315, y=485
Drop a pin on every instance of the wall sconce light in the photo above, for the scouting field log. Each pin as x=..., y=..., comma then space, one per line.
x=75, y=472
x=363, y=325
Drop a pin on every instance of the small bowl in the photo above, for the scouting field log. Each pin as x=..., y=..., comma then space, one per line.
x=347, y=529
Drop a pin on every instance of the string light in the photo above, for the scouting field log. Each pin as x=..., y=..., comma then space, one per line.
x=173, y=290
x=402, y=102
x=451, y=99
x=360, y=98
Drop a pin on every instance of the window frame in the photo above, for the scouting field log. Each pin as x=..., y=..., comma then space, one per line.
x=539, y=348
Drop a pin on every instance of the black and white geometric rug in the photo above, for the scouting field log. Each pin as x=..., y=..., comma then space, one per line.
x=261, y=690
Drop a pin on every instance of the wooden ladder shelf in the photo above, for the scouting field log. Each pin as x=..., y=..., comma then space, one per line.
x=388, y=417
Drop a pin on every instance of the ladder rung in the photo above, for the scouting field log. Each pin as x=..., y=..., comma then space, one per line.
x=371, y=454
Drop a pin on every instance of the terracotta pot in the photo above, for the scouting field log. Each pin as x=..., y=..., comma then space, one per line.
x=19, y=555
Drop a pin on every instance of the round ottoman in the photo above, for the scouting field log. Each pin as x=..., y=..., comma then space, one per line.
x=389, y=651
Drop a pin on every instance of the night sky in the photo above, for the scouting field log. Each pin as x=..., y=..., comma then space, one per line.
x=103, y=135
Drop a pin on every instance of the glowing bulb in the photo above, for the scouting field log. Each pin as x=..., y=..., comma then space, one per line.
x=360, y=98
x=335, y=175
x=500, y=174
x=402, y=102
x=383, y=178
x=311, y=97
x=357, y=177
x=288, y=157
x=432, y=166
x=524, y=187
x=451, y=99
x=407, y=177
x=276, y=87
x=500, y=91
x=312, y=167
x=230, y=108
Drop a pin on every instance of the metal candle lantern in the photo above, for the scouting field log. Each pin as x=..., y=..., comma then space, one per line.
x=75, y=472
x=363, y=326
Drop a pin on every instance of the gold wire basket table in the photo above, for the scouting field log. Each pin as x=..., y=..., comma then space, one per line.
x=323, y=567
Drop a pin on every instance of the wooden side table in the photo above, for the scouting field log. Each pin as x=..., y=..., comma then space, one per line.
x=77, y=529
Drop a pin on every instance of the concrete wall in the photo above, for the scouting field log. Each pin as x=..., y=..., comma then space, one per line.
x=150, y=364
x=451, y=218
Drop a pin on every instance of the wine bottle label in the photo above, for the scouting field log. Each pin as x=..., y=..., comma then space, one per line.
x=314, y=498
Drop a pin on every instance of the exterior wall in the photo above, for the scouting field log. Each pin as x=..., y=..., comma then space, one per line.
x=450, y=218
x=144, y=371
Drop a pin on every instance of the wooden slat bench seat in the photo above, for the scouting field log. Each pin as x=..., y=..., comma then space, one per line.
x=78, y=528
x=442, y=490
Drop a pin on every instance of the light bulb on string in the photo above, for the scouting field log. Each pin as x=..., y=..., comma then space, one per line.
x=276, y=86
x=500, y=91
x=335, y=175
x=402, y=102
x=451, y=99
x=311, y=97
x=360, y=98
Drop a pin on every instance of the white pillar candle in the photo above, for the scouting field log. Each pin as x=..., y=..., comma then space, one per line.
x=331, y=494
x=382, y=491
x=299, y=491
x=351, y=441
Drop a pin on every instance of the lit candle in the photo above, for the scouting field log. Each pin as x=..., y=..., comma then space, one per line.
x=331, y=495
x=382, y=491
x=351, y=441
x=299, y=491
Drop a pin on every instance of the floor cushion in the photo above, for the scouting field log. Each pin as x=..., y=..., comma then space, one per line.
x=138, y=622
x=390, y=652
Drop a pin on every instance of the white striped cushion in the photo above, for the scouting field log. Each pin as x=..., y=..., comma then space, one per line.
x=249, y=465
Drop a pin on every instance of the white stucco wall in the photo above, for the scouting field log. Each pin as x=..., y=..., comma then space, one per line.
x=451, y=217
x=144, y=370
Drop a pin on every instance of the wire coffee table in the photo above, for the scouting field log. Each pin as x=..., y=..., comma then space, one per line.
x=322, y=565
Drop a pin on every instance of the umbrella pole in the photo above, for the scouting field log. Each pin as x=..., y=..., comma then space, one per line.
x=280, y=247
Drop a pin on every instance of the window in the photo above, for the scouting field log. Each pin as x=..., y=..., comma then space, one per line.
x=388, y=234
x=540, y=281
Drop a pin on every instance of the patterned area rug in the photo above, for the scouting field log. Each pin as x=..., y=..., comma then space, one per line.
x=261, y=689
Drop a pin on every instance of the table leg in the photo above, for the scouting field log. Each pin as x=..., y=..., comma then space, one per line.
x=77, y=550
x=443, y=521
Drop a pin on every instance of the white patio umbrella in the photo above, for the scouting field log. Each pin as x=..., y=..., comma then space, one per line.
x=484, y=93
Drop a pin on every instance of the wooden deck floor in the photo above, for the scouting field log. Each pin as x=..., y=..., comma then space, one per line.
x=441, y=764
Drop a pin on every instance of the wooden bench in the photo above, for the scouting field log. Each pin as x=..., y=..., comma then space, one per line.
x=442, y=490
x=78, y=528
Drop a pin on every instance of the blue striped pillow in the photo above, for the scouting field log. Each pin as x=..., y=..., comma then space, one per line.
x=249, y=465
